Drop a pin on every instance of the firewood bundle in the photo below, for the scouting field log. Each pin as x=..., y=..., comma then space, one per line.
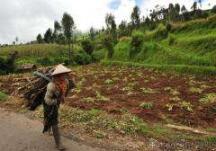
x=35, y=90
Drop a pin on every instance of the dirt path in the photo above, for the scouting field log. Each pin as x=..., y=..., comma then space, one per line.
x=18, y=133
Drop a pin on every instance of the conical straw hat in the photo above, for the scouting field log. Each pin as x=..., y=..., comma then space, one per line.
x=60, y=69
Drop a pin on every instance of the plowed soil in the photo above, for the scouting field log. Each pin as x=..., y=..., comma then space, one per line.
x=152, y=95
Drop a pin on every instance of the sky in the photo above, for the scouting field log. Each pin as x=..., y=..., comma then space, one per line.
x=25, y=19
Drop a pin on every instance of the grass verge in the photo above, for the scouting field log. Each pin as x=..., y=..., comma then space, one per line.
x=191, y=69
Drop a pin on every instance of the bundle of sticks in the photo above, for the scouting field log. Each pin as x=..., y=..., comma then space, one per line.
x=34, y=92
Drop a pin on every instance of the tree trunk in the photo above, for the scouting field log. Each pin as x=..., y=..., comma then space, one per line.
x=69, y=52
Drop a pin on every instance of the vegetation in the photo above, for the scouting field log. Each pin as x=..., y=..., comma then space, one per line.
x=3, y=96
x=172, y=38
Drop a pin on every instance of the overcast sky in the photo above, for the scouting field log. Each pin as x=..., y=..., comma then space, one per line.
x=26, y=18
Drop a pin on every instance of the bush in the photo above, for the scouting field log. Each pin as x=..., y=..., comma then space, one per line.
x=136, y=43
x=99, y=55
x=107, y=41
x=171, y=39
x=158, y=34
x=214, y=9
x=82, y=58
x=87, y=46
x=45, y=61
x=169, y=27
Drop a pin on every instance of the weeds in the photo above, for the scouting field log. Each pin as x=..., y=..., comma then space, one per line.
x=208, y=98
x=146, y=105
x=3, y=96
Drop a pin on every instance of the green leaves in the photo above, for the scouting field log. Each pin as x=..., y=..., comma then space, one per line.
x=3, y=96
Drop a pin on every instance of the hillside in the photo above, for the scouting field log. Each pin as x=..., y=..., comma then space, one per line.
x=189, y=43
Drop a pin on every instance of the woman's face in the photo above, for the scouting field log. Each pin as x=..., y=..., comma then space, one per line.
x=60, y=77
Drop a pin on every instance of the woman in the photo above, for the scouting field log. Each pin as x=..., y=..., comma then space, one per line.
x=56, y=91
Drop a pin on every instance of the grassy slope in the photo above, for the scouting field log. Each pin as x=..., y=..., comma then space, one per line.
x=194, y=46
x=34, y=52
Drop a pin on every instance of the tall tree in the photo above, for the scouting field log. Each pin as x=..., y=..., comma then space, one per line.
x=171, y=12
x=57, y=27
x=68, y=28
x=135, y=17
x=48, y=36
x=111, y=26
x=184, y=12
x=39, y=39
x=123, y=29
x=194, y=7
x=92, y=33
x=200, y=2
x=183, y=9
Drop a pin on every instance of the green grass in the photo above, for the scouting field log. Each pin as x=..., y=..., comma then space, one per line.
x=189, y=48
x=3, y=96
x=198, y=70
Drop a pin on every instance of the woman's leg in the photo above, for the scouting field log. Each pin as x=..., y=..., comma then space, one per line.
x=57, y=137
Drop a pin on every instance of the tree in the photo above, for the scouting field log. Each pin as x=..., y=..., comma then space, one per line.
x=57, y=27
x=39, y=39
x=177, y=8
x=48, y=36
x=68, y=27
x=87, y=46
x=194, y=7
x=184, y=12
x=200, y=2
x=111, y=26
x=135, y=17
x=171, y=12
x=16, y=40
x=107, y=41
x=214, y=9
x=123, y=31
x=92, y=33
x=183, y=9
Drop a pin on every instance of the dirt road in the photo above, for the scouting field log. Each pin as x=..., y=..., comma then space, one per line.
x=18, y=133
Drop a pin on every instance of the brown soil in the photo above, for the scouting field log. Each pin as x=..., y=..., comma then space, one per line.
x=124, y=87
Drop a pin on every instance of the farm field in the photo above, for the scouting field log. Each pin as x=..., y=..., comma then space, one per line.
x=134, y=101
x=151, y=95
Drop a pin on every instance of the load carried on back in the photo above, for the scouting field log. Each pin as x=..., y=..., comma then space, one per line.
x=35, y=91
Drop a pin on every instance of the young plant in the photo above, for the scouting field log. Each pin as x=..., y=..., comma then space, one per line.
x=146, y=105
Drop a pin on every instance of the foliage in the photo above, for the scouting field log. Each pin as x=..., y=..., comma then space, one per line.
x=136, y=43
x=39, y=39
x=208, y=98
x=82, y=58
x=87, y=46
x=135, y=17
x=45, y=61
x=48, y=36
x=171, y=39
x=146, y=105
x=107, y=41
x=3, y=96
x=158, y=34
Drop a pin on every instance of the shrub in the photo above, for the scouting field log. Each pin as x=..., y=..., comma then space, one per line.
x=146, y=105
x=107, y=41
x=45, y=61
x=136, y=43
x=169, y=26
x=87, y=46
x=159, y=33
x=98, y=55
x=82, y=58
x=3, y=96
x=171, y=39
x=214, y=9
